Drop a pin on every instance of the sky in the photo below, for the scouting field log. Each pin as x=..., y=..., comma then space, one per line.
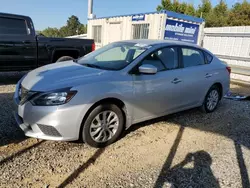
x=54, y=13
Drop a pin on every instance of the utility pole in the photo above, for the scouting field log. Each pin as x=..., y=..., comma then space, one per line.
x=90, y=9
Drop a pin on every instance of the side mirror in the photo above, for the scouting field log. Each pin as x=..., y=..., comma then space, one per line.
x=147, y=69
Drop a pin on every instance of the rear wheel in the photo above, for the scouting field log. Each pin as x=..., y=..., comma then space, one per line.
x=212, y=99
x=65, y=58
x=103, y=126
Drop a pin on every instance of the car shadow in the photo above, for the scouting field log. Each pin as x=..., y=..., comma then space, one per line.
x=201, y=175
x=7, y=78
x=82, y=168
x=198, y=175
x=9, y=131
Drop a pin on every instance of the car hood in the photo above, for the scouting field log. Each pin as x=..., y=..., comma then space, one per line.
x=60, y=75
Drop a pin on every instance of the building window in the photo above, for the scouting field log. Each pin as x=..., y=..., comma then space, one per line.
x=97, y=33
x=140, y=31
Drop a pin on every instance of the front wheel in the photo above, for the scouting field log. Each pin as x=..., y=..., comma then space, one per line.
x=212, y=99
x=103, y=126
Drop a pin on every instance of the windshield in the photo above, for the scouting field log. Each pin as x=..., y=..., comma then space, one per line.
x=114, y=56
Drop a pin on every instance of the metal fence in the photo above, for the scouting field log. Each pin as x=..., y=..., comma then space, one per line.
x=231, y=45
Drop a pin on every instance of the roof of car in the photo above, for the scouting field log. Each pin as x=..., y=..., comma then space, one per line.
x=155, y=42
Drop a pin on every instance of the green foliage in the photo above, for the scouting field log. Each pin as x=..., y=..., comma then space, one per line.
x=240, y=14
x=72, y=27
x=51, y=32
x=165, y=5
x=205, y=9
x=82, y=29
x=190, y=10
x=217, y=16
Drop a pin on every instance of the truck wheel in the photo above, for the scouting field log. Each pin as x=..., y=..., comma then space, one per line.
x=65, y=58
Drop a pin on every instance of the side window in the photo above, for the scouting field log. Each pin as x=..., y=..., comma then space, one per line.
x=169, y=57
x=163, y=59
x=192, y=57
x=11, y=26
x=153, y=59
x=208, y=57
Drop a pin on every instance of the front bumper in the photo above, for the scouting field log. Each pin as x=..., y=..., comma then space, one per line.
x=61, y=123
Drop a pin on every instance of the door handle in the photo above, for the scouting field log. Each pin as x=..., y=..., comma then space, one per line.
x=176, y=81
x=208, y=75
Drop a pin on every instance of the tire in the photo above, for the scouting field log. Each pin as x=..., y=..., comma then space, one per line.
x=92, y=125
x=65, y=58
x=211, y=100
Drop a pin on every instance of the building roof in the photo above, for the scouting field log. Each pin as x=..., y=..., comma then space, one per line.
x=169, y=14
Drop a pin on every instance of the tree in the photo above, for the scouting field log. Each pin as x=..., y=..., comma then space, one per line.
x=82, y=29
x=219, y=17
x=240, y=14
x=165, y=5
x=176, y=6
x=64, y=32
x=204, y=9
x=72, y=27
x=190, y=10
x=182, y=8
x=51, y=32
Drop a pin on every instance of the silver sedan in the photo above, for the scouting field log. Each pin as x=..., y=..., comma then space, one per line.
x=96, y=97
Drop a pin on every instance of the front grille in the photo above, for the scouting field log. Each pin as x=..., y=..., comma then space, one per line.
x=49, y=130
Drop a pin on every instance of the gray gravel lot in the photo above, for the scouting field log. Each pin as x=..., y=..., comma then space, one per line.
x=187, y=149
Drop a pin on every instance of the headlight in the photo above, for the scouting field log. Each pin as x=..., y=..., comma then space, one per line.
x=53, y=98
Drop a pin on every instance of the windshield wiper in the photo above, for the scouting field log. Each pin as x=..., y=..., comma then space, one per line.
x=75, y=60
x=92, y=65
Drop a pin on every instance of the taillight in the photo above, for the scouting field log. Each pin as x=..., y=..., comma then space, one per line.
x=93, y=47
x=228, y=69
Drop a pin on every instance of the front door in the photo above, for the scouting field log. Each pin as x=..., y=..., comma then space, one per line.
x=160, y=93
x=17, y=45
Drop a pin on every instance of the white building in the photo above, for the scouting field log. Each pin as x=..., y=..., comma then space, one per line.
x=152, y=25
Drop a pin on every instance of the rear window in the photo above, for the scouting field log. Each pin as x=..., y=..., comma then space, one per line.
x=11, y=26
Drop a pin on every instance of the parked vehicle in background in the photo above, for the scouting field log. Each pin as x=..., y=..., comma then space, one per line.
x=98, y=96
x=22, y=49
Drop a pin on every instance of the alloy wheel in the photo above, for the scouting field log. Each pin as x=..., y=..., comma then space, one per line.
x=104, y=126
x=212, y=100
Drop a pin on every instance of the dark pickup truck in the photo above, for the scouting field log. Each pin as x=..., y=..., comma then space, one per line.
x=22, y=49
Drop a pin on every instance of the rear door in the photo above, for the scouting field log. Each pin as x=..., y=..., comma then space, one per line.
x=197, y=76
x=17, y=44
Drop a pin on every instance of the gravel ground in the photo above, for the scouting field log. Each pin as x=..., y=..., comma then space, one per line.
x=187, y=149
